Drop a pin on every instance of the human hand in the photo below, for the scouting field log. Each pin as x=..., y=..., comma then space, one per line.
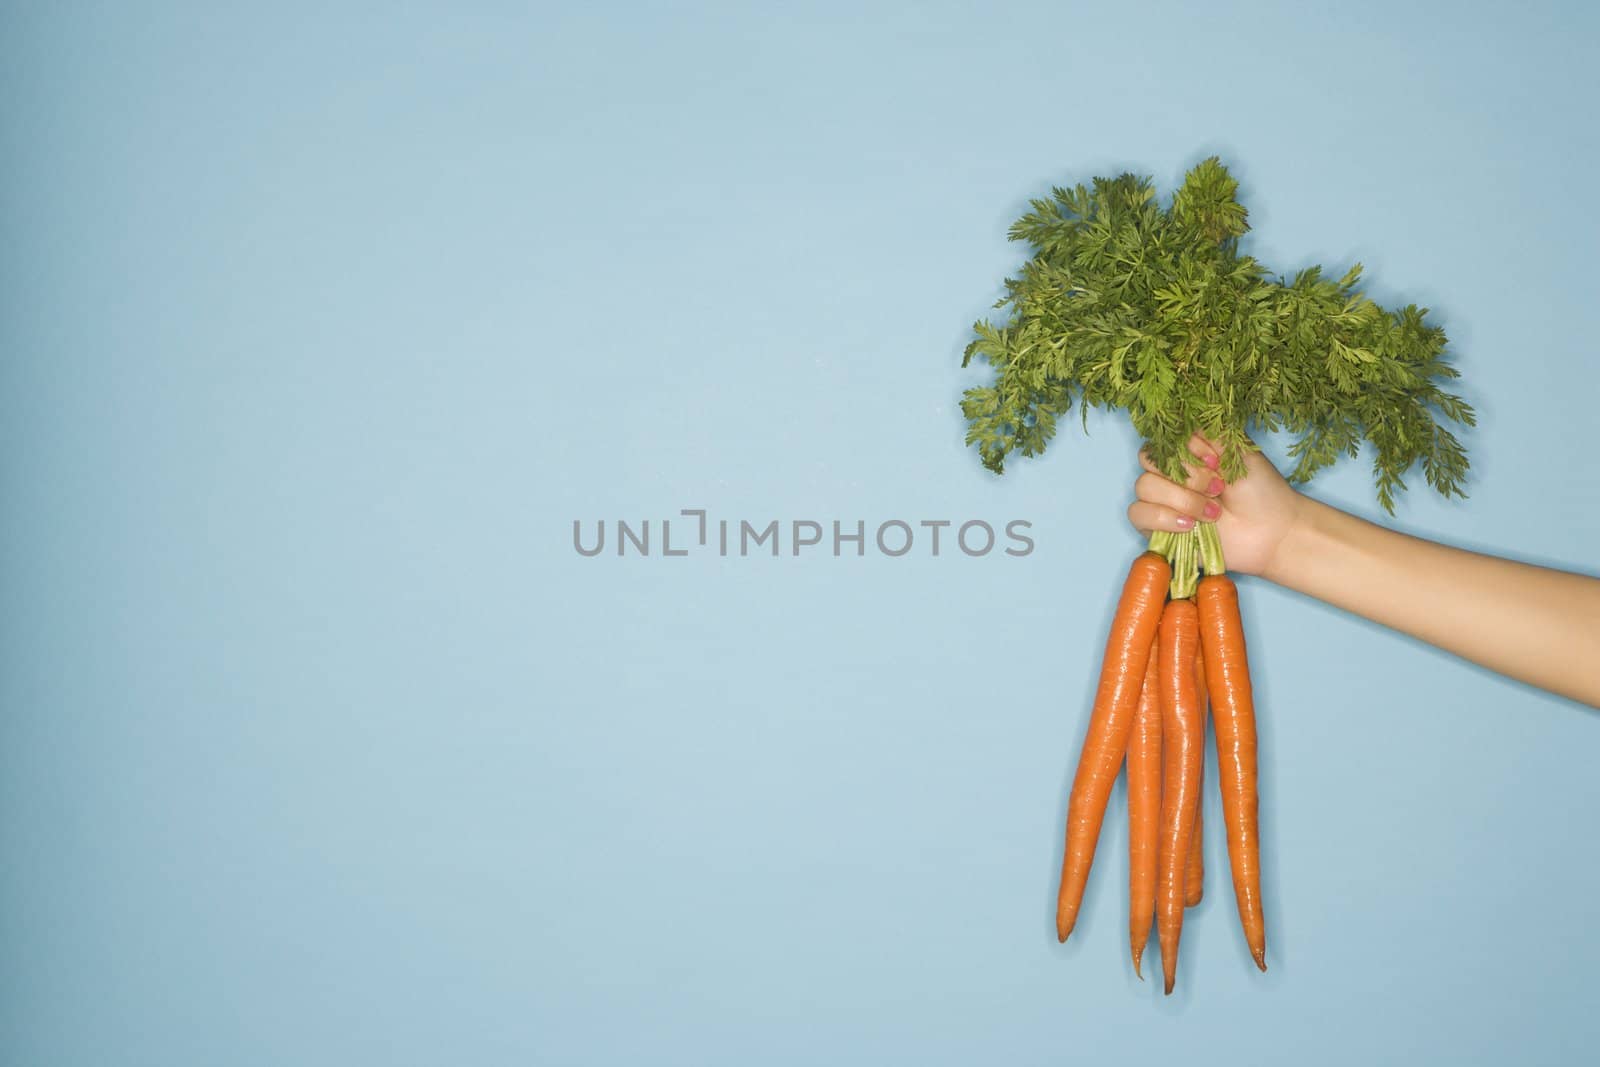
x=1253, y=514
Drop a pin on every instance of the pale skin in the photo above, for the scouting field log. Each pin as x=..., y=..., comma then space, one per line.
x=1534, y=624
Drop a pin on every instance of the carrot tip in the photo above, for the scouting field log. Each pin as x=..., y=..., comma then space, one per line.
x=1170, y=984
x=1261, y=959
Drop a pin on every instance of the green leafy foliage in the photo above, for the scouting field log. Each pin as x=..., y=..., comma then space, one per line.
x=1128, y=305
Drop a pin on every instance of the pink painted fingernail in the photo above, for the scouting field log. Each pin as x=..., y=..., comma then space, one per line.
x=1212, y=509
x=1215, y=487
x=1183, y=522
x=1212, y=461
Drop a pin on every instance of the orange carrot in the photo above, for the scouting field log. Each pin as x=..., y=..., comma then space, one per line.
x=1195, y=877
x=1234, y=719
x=1144, y=811
x=1180, y=770
x=1133, y=629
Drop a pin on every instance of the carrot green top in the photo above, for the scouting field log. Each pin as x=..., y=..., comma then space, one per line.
x=1128, y=304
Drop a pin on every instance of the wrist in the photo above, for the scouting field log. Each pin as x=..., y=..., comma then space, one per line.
x=1286, y=563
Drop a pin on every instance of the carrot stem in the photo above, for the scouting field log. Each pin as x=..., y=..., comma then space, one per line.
x=1190, y=553
x=1210, y=548
x=1185, y=565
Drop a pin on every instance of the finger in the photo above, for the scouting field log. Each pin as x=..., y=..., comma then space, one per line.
x=1201, y=479
x=1209, y=455
x=1147, y=518
x=1154, y=489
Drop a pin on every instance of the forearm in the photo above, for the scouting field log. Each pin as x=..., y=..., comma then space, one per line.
x=1534, y=624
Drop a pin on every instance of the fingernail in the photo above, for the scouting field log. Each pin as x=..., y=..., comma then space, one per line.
x=1215, y=487
x=1183, y=522
x=1212, y=509
x=1212, y=461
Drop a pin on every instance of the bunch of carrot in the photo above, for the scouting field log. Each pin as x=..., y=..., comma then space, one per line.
x=1128, y=303
x=1164, y=659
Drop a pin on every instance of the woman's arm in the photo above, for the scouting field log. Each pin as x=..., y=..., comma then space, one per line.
x=1537, y=625
x=1534, y=624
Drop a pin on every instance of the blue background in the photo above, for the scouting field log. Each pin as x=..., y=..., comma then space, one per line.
x=321, y=745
